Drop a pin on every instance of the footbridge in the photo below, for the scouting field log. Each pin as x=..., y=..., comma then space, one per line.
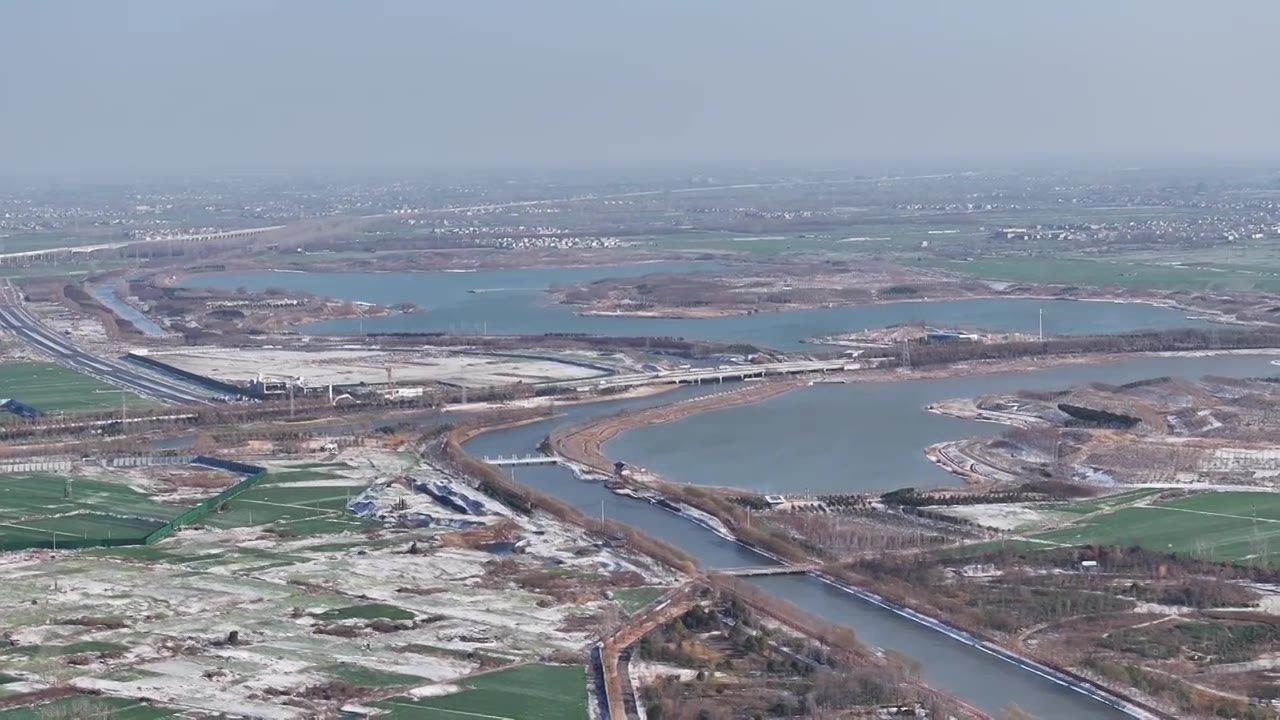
x=511, y=460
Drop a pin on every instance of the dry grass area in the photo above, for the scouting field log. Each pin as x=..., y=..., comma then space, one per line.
x=556, y=584
x=844, y=536
x=750, y=288
x=727, y=657
x=1186, y=635
x=1163, y=431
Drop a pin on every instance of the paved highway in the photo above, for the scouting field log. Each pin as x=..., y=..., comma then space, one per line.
x=29, y=330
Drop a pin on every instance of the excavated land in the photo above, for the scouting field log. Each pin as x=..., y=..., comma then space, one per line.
x=749, y=288
x=1162, y=432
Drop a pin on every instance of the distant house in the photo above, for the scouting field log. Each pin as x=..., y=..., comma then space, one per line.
x=1011, y=234
x=945, y=336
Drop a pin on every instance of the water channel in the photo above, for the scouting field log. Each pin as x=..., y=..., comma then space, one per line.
x=514, y=301
x=890, y=440
x=830, y=437
x=105, y=293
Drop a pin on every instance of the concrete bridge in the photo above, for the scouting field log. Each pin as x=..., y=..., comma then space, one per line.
x=767, y=570
x=522, y=460
x=70, y=251
x=697, y=376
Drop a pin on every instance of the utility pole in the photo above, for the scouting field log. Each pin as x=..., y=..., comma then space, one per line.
x=1041, y=324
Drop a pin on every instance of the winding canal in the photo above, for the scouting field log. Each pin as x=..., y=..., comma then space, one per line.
x=738, y=437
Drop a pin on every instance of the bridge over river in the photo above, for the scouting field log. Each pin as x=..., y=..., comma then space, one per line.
x=514, y=460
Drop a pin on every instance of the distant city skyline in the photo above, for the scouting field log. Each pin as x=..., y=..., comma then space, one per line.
x=288, y=87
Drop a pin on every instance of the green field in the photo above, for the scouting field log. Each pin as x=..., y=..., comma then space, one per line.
x=1115, y=273
x=53, y=388
x=633, y=599
x=528, y=692
x=34, y=506
x=295, y=510
x=1228, y=526
x=371, y=677
x=1106, y=502
x=83, y=707
x=46, y=508
x=367, y=612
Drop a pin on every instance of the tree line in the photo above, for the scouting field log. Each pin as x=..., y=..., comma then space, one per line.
x=1173, y=340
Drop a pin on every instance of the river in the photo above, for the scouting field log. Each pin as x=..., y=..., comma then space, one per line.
x=823, y=438
x=835, y=419
x=514, y=301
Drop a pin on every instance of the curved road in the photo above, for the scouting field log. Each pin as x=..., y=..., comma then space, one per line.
x=29, y=330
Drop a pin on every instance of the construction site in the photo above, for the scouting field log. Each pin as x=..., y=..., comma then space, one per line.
x=899, y=336
x=1160, y=432
x=277, y=372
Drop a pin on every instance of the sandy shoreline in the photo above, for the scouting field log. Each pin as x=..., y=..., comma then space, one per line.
x=177, y=276
x=585, y=444
x=1207, y=314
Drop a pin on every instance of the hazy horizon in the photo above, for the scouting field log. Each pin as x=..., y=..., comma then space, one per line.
x=283, y=88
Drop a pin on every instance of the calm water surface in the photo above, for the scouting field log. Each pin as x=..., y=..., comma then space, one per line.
x=513, y=301
x=832, y=420
x=863, y=436
x=831, y=437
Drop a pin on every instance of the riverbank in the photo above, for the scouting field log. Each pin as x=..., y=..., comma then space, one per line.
x=552, y=401
x=584, y=445
x=1155, y=299
x=1030, y=364
x=493, y=480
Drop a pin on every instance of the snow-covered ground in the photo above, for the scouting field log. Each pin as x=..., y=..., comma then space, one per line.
x=163, y=613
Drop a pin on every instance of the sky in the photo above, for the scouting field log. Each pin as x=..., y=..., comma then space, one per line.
x=129, y=88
